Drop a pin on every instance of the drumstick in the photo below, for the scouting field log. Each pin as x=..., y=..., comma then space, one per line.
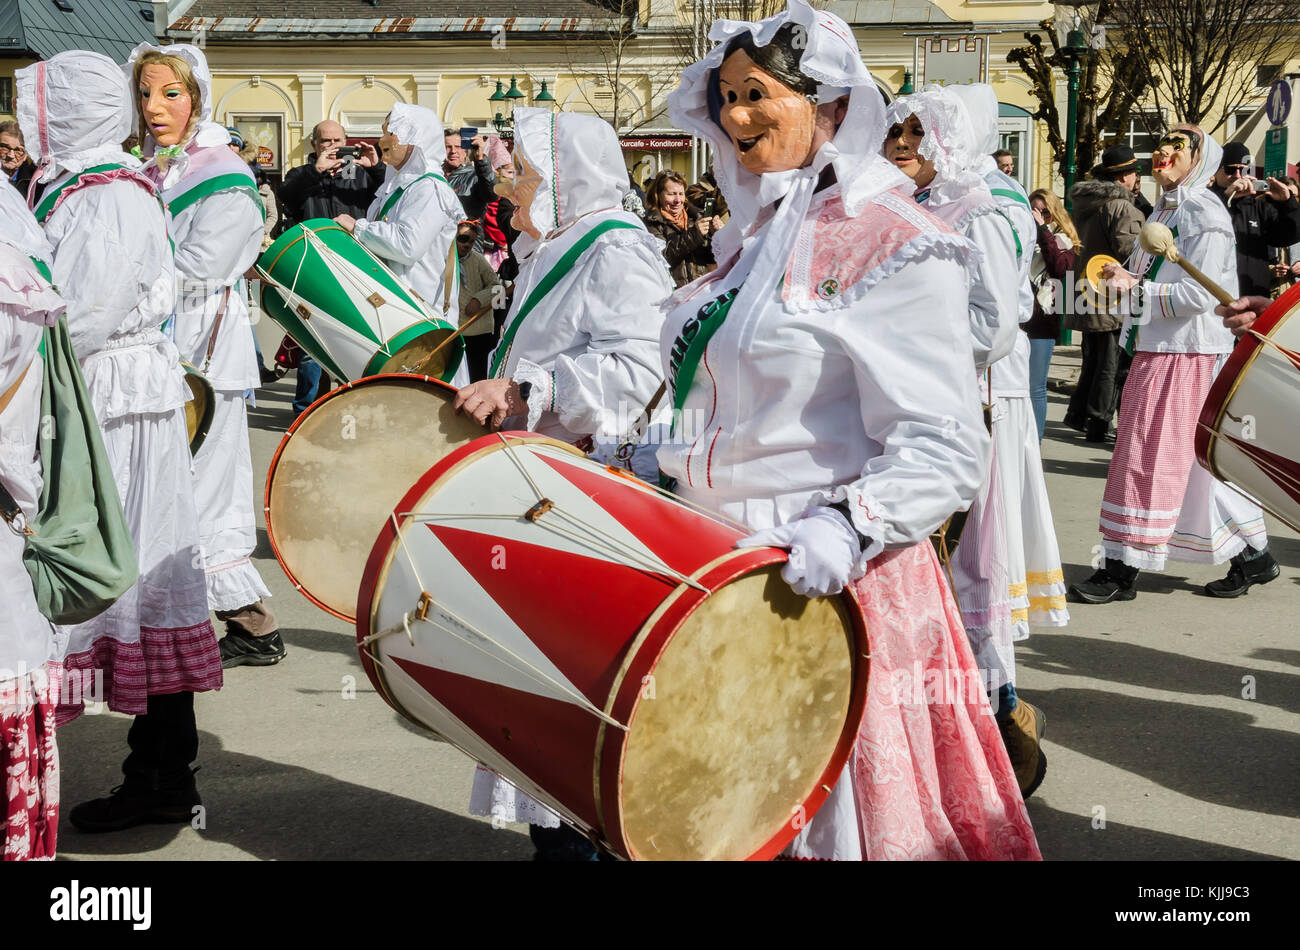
x=434, y=352
x=1156, y=238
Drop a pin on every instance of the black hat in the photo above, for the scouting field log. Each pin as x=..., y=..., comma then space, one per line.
x=1115, y=161
x=1236, y=153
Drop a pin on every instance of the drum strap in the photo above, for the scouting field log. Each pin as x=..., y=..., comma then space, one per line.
x=396, y=195
x=547, y=284
x=216, y=326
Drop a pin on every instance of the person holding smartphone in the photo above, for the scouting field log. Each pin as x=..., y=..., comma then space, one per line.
x=468, y=170
x=1264, y=212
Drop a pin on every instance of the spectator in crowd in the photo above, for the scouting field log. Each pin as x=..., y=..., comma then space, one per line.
x=1054, y=252
x=1108, y=222
x=1258, y=221
x=480, y=287
x=248, y=152
x=18, y=167
x=634, y=200
x=492, y=242
x=324, y=187
x=687, y=234
x=469, y=173
x=1006, y=162
x=706, y=196
x=1286, y=260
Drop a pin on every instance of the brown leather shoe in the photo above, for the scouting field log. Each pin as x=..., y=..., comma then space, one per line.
x=1021, y=733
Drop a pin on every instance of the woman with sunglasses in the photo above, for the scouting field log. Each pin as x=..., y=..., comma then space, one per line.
x=1158, y=503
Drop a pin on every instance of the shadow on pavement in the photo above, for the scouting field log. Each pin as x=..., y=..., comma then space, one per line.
x=1149, y=582
x=1063, y=836
x=321, y=641
x=276, y=812
x=1119, y=662
x=1214, y=755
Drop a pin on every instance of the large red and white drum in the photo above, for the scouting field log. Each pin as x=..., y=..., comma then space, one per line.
x=610, y=651
x=341, y=469
x=1248, y=433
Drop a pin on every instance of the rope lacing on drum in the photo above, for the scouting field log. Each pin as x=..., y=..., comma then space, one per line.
x=421, y=614
x=610, y=545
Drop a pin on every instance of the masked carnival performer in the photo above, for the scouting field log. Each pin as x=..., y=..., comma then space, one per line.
x=1037, y=583
x=113, y=265
x=1158, y=502
x=411, y=224
x=825, y=369
x=29, y=675
x=933, y=139
x=216, y=224
x=579, y=358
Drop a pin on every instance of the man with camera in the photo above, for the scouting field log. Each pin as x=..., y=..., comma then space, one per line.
x=469, y=172
x=337, y=179
x=1264, y=215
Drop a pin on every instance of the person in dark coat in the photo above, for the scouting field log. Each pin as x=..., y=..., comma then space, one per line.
x=324, y=187
x=687, y=234
x=1260, y=221
x=1108, y=222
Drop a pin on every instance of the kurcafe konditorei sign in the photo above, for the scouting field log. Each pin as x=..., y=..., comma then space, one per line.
x=656, y=143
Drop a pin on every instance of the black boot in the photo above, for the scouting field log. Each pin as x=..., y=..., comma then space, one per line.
x=1115, y=581
x=1244, y=572
x=149, y=798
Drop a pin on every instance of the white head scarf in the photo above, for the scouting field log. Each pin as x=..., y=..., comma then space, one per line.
x=580, y=163
x=419, y=128
x=1192, y=203
x=950, y=140
x=75, y=112
x=981, y=104
x=832, y=58
x=204, y=133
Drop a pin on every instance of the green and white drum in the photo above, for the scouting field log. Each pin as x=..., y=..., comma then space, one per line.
x=350, y=312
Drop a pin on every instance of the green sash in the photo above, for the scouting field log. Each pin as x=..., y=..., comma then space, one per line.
x=553, y=277
x=688, y=349
x=393, y=198
x=234, y=180
x=1015, y=196
x=51, y=197
x=1130, y=345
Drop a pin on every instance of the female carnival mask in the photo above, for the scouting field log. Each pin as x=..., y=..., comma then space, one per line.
x=168, y=95
x=769, y=109
x=903, y=150
x=521, y=189
x=1174, y=156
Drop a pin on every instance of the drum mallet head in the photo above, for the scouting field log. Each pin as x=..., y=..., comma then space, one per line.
x=1156, y=238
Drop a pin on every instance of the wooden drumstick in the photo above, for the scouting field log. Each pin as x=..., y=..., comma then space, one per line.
x=1156, y=238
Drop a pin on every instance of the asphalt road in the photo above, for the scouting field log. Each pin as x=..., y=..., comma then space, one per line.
x=1173, y=721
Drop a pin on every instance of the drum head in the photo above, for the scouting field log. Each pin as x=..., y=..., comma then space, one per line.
x=342, y=469
x=756, y=675
x=199, y=408
x=413, y=357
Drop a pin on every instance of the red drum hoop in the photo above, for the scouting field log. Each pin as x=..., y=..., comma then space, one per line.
x=1246, y=435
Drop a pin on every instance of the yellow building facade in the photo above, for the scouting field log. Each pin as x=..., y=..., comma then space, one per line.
x=275, y=76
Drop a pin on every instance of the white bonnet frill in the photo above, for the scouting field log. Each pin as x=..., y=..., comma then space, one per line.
x=981, y=104
x=75, y=111
x=580, y=163
x=950, y=140
x=831, y=57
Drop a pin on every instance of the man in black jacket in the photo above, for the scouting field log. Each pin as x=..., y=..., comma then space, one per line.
x=1260, y=221
x=328, y=185
x=469, y=173
x=324, y=187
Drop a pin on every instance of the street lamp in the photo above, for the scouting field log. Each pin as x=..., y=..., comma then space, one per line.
x=1075, y=52
x=906, y=88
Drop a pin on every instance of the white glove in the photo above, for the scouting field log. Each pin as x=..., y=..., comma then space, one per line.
x=824, y=551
